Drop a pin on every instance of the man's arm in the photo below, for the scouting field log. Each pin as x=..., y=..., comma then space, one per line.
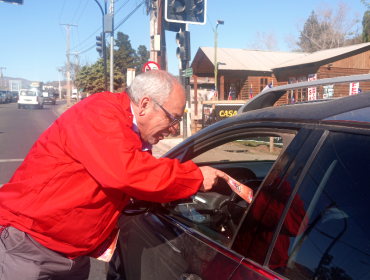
x=110, y=151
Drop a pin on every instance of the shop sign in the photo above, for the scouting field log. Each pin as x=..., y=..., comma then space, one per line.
x=353, y=88
x=328, y=91
x=312, y=90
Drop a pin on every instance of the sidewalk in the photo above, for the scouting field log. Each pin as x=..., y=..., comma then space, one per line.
x=165, y=145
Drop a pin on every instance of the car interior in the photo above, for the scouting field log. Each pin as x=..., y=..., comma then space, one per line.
x=246, y=158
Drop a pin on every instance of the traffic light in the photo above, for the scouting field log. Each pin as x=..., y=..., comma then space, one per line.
x=99, y=43
x=186, y=11
x=18, y=2
x=183, y=51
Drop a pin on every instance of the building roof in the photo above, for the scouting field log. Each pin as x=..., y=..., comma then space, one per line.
x=244, y=59
x=322, y=55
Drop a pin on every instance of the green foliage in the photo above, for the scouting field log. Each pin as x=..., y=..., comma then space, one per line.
x=366, y=4
x=91, y=78
x=124, y=56
x=142, y=57
x=311, y=33
x=366, y=27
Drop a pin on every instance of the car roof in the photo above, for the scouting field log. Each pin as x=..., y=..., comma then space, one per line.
x=269, y=96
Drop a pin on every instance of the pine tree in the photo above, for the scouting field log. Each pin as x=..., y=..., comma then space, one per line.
x=142, y=57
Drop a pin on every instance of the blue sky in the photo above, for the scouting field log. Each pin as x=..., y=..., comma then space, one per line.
x=33, y=44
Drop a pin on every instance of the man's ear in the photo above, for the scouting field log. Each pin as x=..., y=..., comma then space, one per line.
x=145, y=104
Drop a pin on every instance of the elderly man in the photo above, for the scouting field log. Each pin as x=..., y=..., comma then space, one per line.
x=65, y=198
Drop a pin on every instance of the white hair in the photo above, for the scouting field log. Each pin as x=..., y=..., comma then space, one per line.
x=157, y=84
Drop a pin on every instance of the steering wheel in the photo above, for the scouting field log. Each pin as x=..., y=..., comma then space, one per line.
x=243, y=175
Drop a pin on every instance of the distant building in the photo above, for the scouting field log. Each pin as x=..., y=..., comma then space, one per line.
x=15, y=85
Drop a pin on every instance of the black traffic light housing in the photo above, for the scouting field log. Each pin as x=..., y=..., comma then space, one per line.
x=183, y=51
x=100, y=44
x=19, y=2
x=186, y=11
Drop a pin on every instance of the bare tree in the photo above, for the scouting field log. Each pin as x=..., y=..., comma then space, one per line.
x=74, y=68
x=265, y=41
x=327, y=28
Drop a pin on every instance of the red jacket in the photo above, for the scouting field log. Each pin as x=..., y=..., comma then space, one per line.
x=72, y=186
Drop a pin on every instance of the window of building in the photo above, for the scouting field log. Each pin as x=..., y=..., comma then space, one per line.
x=302, y=93
x=263, y=83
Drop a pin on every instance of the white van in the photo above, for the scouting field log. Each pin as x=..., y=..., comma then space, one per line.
x=30, y=97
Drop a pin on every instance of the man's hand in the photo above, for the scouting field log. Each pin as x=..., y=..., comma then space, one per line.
x=211, y=176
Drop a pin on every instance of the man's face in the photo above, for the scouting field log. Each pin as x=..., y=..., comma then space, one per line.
x=154, y=124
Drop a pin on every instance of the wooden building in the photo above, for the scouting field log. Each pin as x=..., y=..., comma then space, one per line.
x=239, y=70
x=344, y=61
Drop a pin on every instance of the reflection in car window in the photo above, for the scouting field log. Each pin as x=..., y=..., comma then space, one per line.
x=333, y=240
x=218, y=213
x=28, y=93
x=251, y=148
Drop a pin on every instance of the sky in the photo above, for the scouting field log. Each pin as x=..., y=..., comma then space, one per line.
x=33, y=44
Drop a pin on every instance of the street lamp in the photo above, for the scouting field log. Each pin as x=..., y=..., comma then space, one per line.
x=218, y=22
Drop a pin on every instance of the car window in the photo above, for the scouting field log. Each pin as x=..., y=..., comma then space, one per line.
x=251, y=148
x=330, y=235
x=28, y=93
x=217, y=213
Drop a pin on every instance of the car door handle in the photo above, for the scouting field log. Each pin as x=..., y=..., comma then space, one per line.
x=189, y=276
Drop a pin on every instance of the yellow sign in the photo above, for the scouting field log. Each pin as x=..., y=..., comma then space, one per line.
x=228, y=113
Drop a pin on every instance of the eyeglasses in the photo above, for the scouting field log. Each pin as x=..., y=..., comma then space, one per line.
x=174, y=121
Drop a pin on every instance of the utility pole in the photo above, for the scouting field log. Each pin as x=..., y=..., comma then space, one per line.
x=111, y=82
x=1, y=74
x=153, y=30
x=60, y=89
x=103, y=42
x=77, y=55
x=68, y=26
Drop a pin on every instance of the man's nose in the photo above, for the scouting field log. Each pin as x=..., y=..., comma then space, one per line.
x=173, y=129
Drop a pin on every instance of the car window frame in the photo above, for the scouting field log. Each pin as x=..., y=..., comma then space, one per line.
x=222, y=136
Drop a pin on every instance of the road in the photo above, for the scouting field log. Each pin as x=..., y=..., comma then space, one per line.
x=19, y=130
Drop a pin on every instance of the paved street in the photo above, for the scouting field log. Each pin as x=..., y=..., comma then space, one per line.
x=19, y=129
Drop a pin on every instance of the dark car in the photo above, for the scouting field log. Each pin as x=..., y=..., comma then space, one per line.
x=308, y=166
x=14, y=96
x=9, y=97
x=49, y=98
x=2, y=97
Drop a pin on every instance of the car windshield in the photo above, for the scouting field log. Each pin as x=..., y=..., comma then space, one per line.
x=28, y=93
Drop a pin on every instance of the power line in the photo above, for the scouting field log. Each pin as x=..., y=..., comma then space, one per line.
x=62, y=10
x=87, y=38
x=210, y=23
x=129, y=15
x=78, y=33
x=76, y=10
x=121, y=7
x=118, y=25
x=82, y=11
x=62, y=34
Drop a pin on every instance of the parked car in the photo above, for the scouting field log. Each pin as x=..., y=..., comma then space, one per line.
x=308, y=167
x=14, y=96
x=49, y=98
x=9, y=96
x=74, y=96
x=32, y=98
x=2, y=97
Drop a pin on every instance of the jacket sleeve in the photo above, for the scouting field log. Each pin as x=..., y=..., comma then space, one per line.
x=104, y=143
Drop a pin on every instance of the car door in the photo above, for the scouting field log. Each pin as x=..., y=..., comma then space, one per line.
x=333, y=241
x=323, y=228
x=192, y=238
